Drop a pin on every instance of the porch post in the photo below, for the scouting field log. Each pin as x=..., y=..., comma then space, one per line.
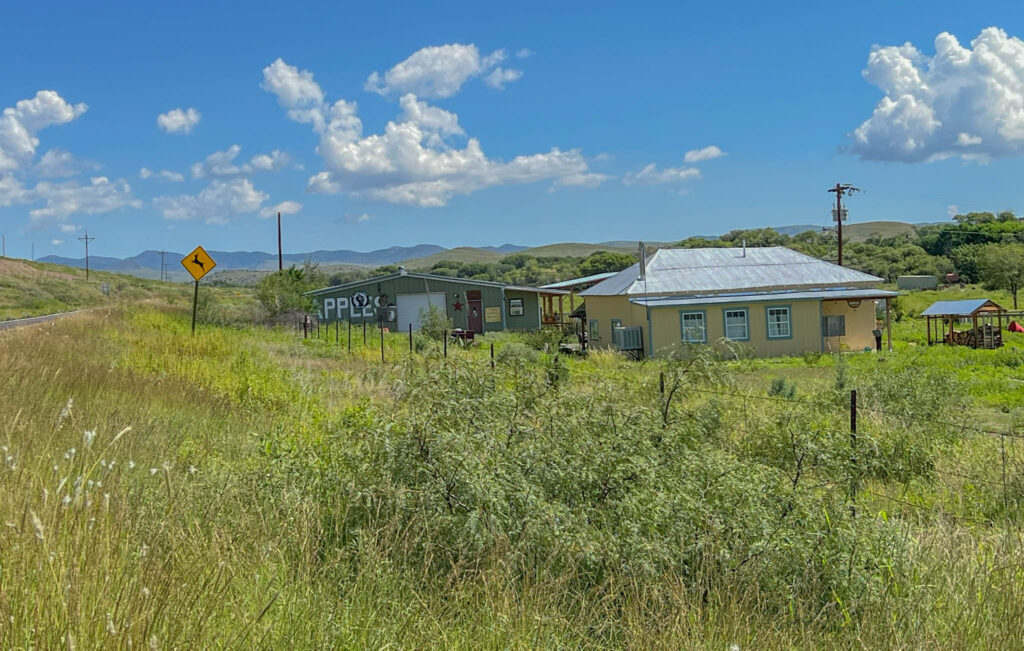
x=974, y=324
x=888, y=323
x=561, y=311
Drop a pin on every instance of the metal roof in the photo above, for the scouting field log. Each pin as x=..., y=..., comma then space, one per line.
x=960, y=308
x=537, y=290
x=713, y=271
x=835, y=294
x=435, y=277
x=410, y=274
x=585, y=280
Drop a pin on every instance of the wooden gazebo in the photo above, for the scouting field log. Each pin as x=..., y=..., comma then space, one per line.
x=984, y=316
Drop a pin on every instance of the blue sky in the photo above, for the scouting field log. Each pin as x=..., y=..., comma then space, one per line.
x=528, y=123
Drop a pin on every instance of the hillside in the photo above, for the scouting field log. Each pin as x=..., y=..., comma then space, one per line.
x=573, y=249
x=864, y=230
x=458, y=254
x=35, y=288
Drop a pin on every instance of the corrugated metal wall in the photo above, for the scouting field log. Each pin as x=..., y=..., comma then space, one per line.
x=331, y=309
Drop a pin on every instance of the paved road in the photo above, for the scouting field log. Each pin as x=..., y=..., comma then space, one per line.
x=16, y=323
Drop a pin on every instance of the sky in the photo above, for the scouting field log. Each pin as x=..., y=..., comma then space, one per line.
x=370, y=125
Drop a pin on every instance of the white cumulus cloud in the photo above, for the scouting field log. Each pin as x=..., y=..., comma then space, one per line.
x=415, y=160
x=440, y=71
x=56, y=242
x=161, y=175
x=222, y=163
x=651, y=175
x=68, y=228
x=20, y=123
x=285, y=208
x=706, y=153
x=501, y=76
x=180, y=121
x=68, y=198
x=216, y=203
x=963, y=101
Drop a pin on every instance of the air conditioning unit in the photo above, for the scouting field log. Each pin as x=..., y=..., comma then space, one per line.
x=630, y=338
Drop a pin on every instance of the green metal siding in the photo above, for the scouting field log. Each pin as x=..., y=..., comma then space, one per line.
x=455, y=290
x=530, y=320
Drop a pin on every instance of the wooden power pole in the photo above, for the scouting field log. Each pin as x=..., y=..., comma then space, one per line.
x=280, y=258
x=87, y=239
x=839, y=213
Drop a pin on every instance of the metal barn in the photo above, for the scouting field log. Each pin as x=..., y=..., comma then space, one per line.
x=398, y=299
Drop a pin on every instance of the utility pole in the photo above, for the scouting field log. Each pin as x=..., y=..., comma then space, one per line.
x=163, y=275
x=839, y=213
x=87, y=239
x=280, y=258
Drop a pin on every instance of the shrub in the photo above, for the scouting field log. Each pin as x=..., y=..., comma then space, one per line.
x=434, y=322
x=514, y=353
x=782, y=387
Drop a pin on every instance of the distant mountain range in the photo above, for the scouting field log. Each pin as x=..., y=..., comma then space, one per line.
x=147, y=263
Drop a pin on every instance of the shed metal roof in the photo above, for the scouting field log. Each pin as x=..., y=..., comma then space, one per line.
x=713, y=271
x=434, y=277
x=399, y=274
x=961, y=308
x=575, y=282
x=835, y=294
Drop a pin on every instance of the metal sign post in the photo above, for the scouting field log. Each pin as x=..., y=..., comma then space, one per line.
x=197, y=264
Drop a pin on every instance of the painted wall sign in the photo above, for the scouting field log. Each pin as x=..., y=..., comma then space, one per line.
x=492, y=314
x=358, y=307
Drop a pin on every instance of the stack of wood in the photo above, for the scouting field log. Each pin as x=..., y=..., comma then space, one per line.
x=986, y=336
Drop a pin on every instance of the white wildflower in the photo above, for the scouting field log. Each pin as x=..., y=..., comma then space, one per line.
x=131, y=465
x=37, y=524
x=88, y=436
x=153, y=644
x=153, y=471
x=66, y=500
x=192, y=470
x=145, y=592
x=166, y=465
x=65, y=412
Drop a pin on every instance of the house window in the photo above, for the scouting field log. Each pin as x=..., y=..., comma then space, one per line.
x=592, y=329
x=736, y=325
x=833, y=326
x=616, y=323
x=515, y=307
x=694, y=329
x=779, y=326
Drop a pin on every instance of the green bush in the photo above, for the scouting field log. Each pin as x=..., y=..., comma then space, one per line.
x=434, y=322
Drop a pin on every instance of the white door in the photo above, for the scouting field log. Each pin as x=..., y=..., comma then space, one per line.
x=409, y=306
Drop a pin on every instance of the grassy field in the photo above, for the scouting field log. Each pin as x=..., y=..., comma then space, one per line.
x=246, y=488
x=35, y=288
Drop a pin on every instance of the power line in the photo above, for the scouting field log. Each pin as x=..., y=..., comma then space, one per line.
x=87, y=239
x=163, y=266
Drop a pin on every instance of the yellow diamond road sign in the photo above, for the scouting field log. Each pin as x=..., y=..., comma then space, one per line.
x=198, y=263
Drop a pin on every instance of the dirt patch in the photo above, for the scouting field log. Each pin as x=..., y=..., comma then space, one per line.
x=19, y=268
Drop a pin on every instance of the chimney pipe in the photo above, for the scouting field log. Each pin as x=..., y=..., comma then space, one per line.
x=643, y=261
x=744, y=248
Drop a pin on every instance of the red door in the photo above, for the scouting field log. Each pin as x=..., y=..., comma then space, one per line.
x=475, y=317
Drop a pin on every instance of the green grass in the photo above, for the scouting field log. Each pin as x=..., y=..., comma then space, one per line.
x=278, y=492
x=35, y=288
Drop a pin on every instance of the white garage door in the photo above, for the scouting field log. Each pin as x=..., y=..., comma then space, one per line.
x=409, y=306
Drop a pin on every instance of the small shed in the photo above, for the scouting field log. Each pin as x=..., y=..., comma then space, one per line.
x=917, y=282
x=984, y=316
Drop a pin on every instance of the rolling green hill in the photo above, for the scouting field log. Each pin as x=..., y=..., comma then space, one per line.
x=864, y=230
x=36, y=288
x=458, y=254
x=572, y=249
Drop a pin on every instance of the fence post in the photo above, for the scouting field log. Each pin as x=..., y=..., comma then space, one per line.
x=853, y=452
x=492, y=356
x=661, y=382
x=337, y=331
x=1002, y=454
x=364, y=334
x=410, y=338
x=445, y=337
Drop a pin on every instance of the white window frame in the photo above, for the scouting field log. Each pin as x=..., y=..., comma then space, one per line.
x=788, y=334
x=746, y=323
x=703, y=326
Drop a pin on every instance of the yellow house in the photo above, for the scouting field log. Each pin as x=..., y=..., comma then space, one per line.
x=774, y=300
